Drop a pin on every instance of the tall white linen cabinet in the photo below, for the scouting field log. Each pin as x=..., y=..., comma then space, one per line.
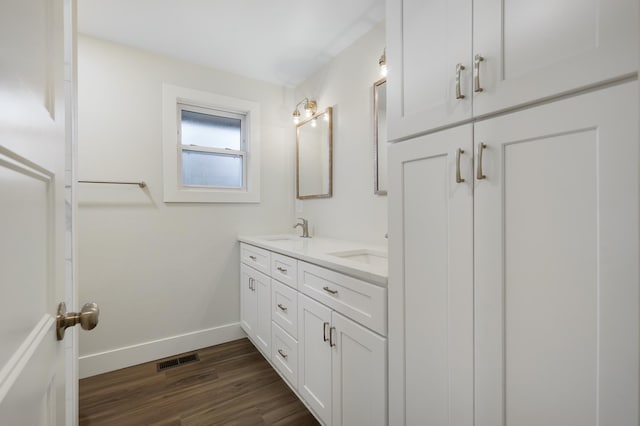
x=514, y=197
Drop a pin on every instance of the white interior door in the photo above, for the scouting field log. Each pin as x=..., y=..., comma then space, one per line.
x=32, y=211
x=556, y=264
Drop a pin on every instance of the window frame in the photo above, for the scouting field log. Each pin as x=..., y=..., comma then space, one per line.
x=175, y=97
x=242, y=152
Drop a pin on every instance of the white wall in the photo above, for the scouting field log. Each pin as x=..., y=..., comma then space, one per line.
x=346, y=84
x=165, y=275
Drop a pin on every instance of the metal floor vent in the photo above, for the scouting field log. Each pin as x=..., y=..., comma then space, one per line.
x=176, y=362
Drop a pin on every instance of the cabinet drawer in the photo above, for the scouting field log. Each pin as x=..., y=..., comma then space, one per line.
x=285, y=354
x=256, y=257
x=284, y=307
x=363, y=302
x=284, y=269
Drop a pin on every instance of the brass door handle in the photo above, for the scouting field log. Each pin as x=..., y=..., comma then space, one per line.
x=476, y=73
x=458, y=176
x=282, y=308
x=481, y=147
x=328, y=290
x=459, y=69
x=87, y=318
x=324, y=331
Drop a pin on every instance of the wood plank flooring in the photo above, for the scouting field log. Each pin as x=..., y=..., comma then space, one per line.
x=232, y=384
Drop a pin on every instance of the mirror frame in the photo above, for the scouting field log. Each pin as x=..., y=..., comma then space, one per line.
x=376, y=180
x=328, y=111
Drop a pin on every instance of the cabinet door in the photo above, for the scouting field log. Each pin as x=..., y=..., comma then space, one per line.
x=431, y=280
x=248, y=301
x=535, y=49
x=314, y=356
x=263, y=313
x=359, y=374
x=426, y=40
x=556, y=263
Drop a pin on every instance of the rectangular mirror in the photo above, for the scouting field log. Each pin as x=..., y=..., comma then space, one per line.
x=380, y=137
x=314, y=157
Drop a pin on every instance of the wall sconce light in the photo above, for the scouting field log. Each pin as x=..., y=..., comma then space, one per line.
x=309, y=107
x=383, y=63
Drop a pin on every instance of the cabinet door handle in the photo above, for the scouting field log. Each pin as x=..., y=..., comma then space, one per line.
x=481, y=147
x=282, y=308
x=251, y=286
x=324, y=331
x=476, y=73
x=253, y=258
x=328, y=290
x=282, y=354
x=331, y=342
x=458, y=176
x=459, y=69
x=283, y=270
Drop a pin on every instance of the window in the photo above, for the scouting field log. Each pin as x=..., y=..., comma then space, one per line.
x=211, y=147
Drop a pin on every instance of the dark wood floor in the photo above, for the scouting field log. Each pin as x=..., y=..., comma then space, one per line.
x=232, y=384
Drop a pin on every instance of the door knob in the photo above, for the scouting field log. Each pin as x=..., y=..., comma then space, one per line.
x=87, y=318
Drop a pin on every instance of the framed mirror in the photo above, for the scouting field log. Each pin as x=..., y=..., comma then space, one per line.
x=380, y=137
x=314, y=152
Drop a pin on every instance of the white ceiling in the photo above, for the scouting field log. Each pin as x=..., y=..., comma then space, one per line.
x=279, y=41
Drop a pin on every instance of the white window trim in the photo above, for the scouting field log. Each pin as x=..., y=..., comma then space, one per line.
x=171, y=149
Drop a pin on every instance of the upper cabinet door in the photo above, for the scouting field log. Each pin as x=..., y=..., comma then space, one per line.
x=536, y=49
x=425, y=43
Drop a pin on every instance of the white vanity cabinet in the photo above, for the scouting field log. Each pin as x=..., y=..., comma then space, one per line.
x=514, y=277
x=327, y=337
x=523, y=51
x=255, y=307
x=342, y=367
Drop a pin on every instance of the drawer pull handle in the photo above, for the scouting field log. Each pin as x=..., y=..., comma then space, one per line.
x=459, y=69
x=283, y=270
x=324, y=331
x=480, y=175
x=251, y=285
x=253, y=258
x=282, y=354
x=282, y=308
x=331, y=342
x=328, y=290
x=458, y=176
x=476, y=72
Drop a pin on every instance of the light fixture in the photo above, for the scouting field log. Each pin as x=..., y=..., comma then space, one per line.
x=383, y=63
x=309, y=107
x=314, y=122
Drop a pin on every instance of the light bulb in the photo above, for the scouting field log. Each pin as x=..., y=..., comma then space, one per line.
x=296, y=120
x=383, y=70
x=314, y=122
x=326, y=116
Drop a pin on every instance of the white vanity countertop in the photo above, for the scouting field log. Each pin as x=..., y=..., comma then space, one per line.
x=360, y=260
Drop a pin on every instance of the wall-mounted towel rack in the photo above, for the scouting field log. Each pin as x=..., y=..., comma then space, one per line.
x=141, y=184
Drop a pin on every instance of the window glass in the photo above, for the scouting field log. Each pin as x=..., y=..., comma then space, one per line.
x=211, y=169
x=211, y=131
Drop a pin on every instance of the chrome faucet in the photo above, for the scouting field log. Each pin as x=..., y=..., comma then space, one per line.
x=305, y=227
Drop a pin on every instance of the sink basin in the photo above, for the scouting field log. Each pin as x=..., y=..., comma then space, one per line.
x=373, y=258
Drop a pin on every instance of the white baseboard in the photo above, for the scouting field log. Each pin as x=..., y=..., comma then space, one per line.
x=115, y=359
